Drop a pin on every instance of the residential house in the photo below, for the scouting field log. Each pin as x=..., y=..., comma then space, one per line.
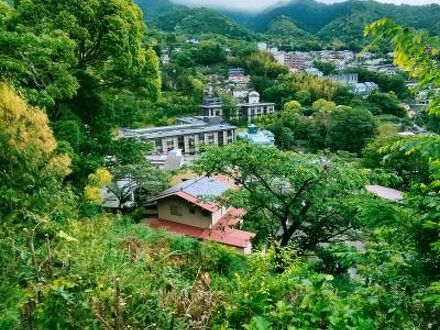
x=191, y=209
x=112, y=202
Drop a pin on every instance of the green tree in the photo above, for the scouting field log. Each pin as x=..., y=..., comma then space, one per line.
x=386, y=103
x=292, y=108
x=327, y=68
x=108, y=37
x=39, y=65
x=323, y=105
x=31, y=167
x=350, y=129
x=141, y=179
x=230, y=106
x=298, y=194
x=417, y=53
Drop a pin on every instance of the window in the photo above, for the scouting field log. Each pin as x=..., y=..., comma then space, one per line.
x=192, y=210
x=206, y=213
x=175, y=210
x=220, y=138
x=181, y=142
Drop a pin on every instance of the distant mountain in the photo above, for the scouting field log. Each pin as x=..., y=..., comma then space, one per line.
x=341, y=24
x=298, y=24
x=283, y=33
x=167, y=16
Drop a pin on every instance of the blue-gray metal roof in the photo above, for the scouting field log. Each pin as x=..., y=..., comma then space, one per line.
x=172, y=131
x=202, y=186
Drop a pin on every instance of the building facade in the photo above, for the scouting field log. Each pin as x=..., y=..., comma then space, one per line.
x=293, y=61
x=247, y=111
x=187, y=137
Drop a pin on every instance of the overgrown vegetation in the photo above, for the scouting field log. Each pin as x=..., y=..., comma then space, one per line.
x=328, y=255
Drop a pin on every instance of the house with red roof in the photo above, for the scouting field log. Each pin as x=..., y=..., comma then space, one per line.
x=191, y=208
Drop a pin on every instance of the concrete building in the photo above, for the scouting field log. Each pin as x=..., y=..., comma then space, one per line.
x=254, y=108
x=390, y=194
x=190, y=208
x=352, y=80
x=211, y=106
x=347, y=78
x=238, y=78
x=365, y=88
x=188, y=137
x=254, y=136
x=262, y=46
x=165, y=59
x=172, y=161
x=293, y=61
x=246, y=111
x=314, y=72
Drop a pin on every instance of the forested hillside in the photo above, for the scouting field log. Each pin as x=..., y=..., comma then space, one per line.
x=339, y=25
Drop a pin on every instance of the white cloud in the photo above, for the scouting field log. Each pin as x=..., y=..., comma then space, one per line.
x=261, y=4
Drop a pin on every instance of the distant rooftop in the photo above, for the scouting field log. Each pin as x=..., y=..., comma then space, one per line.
x=200, y=187
x=255, y=136
x=385, y=193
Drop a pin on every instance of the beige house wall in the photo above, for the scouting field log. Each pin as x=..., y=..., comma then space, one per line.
x=216, y=216
x=197, y=219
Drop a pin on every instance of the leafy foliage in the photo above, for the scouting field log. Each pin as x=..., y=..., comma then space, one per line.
x=286, y=188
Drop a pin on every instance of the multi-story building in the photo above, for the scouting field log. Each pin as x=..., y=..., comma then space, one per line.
x=188, y=137
x=254, y=108
x=238, y=78
x=293, y=61
x=247, y=111
x=212, y=106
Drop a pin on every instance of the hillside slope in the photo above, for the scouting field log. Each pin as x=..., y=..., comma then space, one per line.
x=300, y=24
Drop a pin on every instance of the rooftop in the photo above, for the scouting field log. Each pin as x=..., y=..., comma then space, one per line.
x=385, y=193
x=170, y=131
x=259, y=137
x=255, y=104
x=201, y=191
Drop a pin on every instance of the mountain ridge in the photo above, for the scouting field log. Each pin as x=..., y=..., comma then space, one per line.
x=338, y=24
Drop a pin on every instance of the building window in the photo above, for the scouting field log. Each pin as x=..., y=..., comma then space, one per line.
x=206, y=213
x=175, y=210
x=170, y=144
x=220, y=138
x=192, y=210
x=158, y=144
x=181, y=142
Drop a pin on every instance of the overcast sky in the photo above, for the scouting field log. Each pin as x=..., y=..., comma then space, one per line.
x=260, y=4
